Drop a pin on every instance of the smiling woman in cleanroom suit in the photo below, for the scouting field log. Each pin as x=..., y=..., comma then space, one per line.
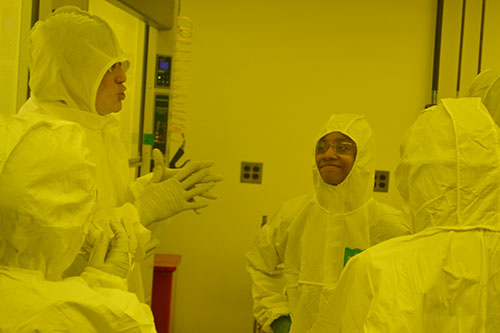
x=298, y=257
x=446, y=277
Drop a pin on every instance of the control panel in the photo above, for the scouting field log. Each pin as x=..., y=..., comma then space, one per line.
x=163, y=71
x=161, y=122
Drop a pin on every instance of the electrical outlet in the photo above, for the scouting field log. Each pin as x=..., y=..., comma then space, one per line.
x=381, y=181
x=251, y=172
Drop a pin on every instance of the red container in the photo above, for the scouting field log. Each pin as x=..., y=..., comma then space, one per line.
x=161, y=300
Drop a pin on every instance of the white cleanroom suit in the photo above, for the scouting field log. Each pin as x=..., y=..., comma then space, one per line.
x=446, y=277
x=486, y=85
x=297, y=258
x=69, y=55
x=47, y=197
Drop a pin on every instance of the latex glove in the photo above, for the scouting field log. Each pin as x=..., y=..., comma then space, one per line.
x=78, y=264
x=113, y=256
x=281, y=325
x=82, y=258
x=161, y=173
x=164, y=199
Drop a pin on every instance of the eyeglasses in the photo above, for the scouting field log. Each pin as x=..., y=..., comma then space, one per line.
x=340, y=147
x=118, y=65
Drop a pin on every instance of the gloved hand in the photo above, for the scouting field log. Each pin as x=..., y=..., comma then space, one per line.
x=282, y=324
x=166, y=198
x=113, y=256
x=82, y=258
x=161, y=173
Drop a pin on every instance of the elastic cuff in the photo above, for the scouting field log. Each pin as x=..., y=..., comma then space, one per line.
x=138, y=186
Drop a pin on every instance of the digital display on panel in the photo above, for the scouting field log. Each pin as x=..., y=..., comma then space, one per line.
x=164, y=65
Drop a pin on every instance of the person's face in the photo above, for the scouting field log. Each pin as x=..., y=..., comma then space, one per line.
x=335, y=156
x=111, y=91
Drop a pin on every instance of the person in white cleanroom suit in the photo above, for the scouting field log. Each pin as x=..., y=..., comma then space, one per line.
x=487, y=86
x=297, y=258
x=446, y=277
x=47, y=197
x=77, y=73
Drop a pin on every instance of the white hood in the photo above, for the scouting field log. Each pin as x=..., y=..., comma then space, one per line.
x=68, y=69
x=449, y=174
x=487, y=86
x=356, y=190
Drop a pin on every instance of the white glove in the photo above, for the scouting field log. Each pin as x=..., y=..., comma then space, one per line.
x=161, y=173
x=82, y=258
x=166, y=198
x=112, y=257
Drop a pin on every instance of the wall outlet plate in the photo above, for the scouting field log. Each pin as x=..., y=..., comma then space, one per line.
x=251, y=172
x=381, y=181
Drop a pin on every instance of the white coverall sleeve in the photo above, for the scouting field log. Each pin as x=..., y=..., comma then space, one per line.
x=32, y=304
x=264, y=263
x=91, y=310
x=390, y=223
x=96, y=278
x=138, y=186
x=348, y=305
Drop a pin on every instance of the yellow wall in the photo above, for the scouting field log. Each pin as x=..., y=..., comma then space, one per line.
x=491, y=46
x=265, y=76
